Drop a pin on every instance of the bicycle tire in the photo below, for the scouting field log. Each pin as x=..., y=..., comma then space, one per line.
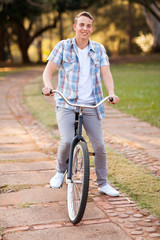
x=77, y=191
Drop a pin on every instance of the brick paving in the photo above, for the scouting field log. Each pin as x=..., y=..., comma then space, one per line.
x=29, y=209
x=135, y=139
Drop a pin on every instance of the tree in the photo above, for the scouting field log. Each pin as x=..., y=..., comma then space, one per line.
x=152, y=14
x=15, y=13
x=154, y=26
x=117, y=33
x=131, y=28
x=2, y=43
x=152, y=6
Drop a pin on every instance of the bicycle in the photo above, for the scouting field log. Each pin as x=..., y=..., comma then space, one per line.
x=78, y=165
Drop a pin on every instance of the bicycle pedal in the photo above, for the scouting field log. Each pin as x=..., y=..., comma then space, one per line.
x=91, y=153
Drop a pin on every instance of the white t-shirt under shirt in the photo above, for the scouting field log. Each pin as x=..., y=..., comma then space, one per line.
x=85, y=94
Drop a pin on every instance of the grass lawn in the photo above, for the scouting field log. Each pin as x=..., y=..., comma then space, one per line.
x=38, y=105
x=7, y=70
x=138, y=87
x=134, y=180
x=137, y=182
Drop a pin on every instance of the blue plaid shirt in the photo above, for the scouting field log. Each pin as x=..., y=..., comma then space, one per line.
x=65, y=55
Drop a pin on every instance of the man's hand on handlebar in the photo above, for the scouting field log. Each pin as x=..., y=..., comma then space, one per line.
x=47, y=91
x=114, y=99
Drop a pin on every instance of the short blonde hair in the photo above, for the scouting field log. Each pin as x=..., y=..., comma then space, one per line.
x=86, y=14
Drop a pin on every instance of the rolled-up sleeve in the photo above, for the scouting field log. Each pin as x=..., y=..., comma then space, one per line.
x=104, y=57
x=57, y=53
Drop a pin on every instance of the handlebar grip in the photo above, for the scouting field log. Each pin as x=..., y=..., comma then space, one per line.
x=50, y=92
x=111, y=99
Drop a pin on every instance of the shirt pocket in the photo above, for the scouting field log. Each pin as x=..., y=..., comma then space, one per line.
x=68, y=64
x=97, y=65
x=97, y=62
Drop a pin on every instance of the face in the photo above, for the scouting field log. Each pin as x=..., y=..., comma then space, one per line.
x=83, y=27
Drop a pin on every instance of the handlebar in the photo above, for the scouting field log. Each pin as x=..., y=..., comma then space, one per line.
x=81, y=105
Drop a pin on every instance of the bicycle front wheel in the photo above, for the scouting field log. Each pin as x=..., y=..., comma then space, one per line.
x=78, y=186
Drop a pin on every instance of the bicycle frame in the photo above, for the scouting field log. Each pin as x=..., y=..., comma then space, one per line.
x=78, y=137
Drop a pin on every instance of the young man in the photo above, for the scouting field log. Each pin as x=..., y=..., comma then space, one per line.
x=80, y=62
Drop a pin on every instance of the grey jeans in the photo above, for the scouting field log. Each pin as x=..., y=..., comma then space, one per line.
x=93, y=127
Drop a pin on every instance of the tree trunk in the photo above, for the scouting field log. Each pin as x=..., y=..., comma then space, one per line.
x=25, y=56
x=24, y=53
x=24, y=38
x=154, y=26
x=39, y=41
x=130, y=31
x=8, y=44
x=2, y=53
x=39, y=47
x=23, y=41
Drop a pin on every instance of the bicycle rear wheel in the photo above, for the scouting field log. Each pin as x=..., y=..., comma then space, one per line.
x=77, y=193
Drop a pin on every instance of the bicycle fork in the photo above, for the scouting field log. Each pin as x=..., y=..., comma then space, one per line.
x=78, y=137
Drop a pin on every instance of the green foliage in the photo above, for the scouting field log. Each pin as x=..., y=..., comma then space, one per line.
x=145, y=42
x=151, y=5
x=15, y=13
x=110, y=30
x=17, y=10
x=24, y=21
x=63, y=5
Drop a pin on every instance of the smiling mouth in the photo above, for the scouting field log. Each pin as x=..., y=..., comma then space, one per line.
x=84, y=33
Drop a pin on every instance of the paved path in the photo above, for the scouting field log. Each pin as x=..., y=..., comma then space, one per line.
x=29, y=209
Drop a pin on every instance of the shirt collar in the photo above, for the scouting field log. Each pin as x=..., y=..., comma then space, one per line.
x=73, y=43
x=91, y=46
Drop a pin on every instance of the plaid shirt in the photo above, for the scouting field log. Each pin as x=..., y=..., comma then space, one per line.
x=65, y=55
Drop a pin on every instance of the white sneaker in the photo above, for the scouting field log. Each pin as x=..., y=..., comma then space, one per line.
x=107, y=189
x=57, y=180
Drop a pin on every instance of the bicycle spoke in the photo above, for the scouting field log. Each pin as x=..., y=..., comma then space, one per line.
x=79, y=183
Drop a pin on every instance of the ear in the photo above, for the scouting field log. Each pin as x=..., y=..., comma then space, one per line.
x=74, y=27
x=92, y=28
